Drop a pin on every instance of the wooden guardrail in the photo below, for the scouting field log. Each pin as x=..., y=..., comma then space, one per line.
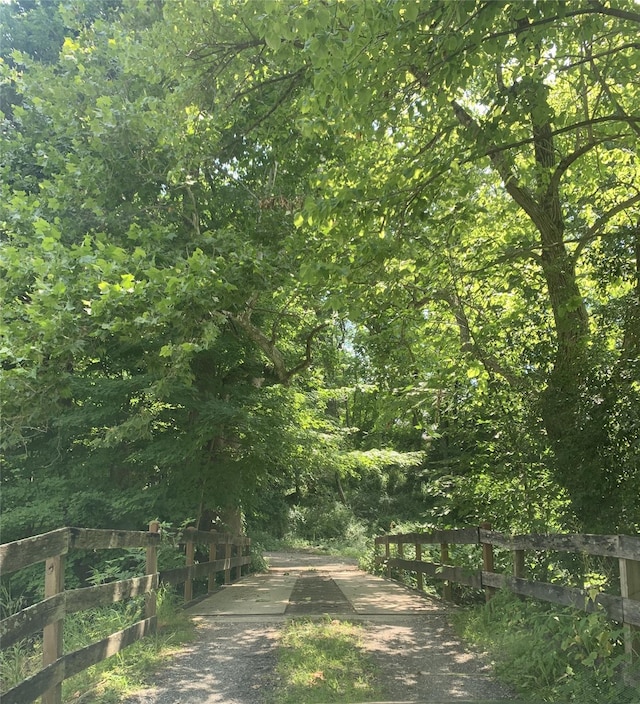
x=48, y=615
x=623, y=607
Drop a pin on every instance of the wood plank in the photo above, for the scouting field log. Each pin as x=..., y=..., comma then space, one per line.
x=52, y=634
x=190, y=551
x=105, y=594
x=202, y=569
x=73, y=663
x=201, y=537
x=443, y=572
x=461, y=575
x=227, y=560
x=603, y=545
x=413, y=565
x=556, y=594
x=447, y=591
x=151, y=568
x=419, y=575
x=22, y=553
x=401, y=558
x=33, y=618
x=631, y=611
x=81, y=659
x=99, y=539
x=519, y=567
x=629, y=547
x=487, y=561
x=630, y=590
x=625, y=546
x=177, y=575
x=463, y=536
x=35, y=686
x=211, y=577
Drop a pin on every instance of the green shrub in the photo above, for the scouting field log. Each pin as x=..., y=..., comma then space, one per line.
x=552, y=654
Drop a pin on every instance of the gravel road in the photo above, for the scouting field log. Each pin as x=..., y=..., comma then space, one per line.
x=232, y=661
x=228, y=663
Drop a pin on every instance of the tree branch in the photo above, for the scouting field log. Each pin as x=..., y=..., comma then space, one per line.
x=615, y=12
x=269, y=347
x=592, y=232
x=568, y=160
x=521, y=196
x=469, y=346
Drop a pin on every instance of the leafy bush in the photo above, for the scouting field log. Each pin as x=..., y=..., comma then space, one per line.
x=320, y=521
x=552, y=654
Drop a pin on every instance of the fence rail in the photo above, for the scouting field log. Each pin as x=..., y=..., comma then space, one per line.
x=623, y=607
x=48, y=615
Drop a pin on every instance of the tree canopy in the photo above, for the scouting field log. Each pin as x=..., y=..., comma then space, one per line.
x=259, y=252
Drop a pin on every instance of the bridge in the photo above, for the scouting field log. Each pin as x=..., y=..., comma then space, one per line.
x=407, y=632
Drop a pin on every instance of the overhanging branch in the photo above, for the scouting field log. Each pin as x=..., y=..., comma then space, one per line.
x=594, y=231
x=269, y=347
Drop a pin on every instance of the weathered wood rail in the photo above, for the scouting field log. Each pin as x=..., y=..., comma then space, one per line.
x=623, y=607
x=227, y=554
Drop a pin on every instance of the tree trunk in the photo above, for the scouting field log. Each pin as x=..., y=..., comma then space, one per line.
x=560, y=403
x=232, y=518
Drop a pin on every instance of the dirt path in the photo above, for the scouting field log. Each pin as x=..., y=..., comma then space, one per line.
x=419, y=657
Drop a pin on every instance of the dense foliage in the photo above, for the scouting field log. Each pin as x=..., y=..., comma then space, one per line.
x=336, y=263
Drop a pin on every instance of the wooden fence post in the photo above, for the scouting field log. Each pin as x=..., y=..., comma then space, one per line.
x=447, y=592
x=52, y=634
x=419, y=575
x=227, y=559
x=630, y=589
x=487, y=562
x=247, y=553
x=190, y=549
x=387, y=555
x=211, y=584
x=237, y=552
x=518, y=564
x=401, y=572
x=151, y=567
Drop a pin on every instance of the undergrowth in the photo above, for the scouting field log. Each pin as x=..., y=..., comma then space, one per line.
x=552, y=654
x=337, y=546
x=322, y=661
x=108, y=681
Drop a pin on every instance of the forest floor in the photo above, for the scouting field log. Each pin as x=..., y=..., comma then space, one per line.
x=408, y=635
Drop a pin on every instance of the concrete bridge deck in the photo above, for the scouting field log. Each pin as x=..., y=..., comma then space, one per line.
x=303, y=584
x=419, y=658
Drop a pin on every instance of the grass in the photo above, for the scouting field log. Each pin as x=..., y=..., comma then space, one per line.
x=353, y=547
x=552, y=654
x=108, y=681
x=322, y=661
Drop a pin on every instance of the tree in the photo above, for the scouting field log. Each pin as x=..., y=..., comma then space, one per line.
x=465, y=118
x=445, y=189
x=149, y=307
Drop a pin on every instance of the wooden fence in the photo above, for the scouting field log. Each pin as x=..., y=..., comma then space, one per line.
x=623, y=607
x=48, y=615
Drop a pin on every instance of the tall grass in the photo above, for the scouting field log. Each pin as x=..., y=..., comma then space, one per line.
x=552, y=654
x=108, y=681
